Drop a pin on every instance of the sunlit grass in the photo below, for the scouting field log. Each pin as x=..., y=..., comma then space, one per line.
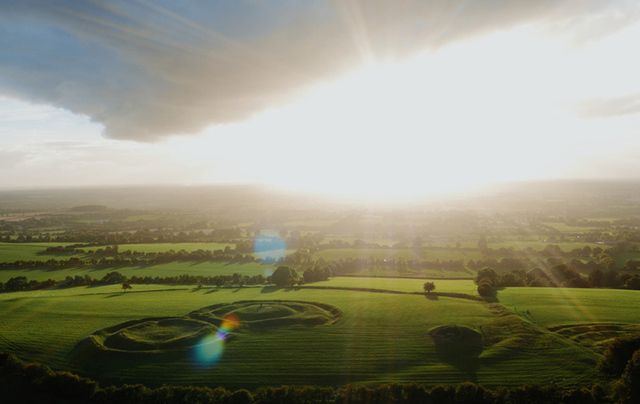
x=379, y=337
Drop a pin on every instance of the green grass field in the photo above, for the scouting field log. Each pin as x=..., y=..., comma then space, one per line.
x=333, y=254
x=377, y=337
x=163, y=270
x=590, y=318
x=540, y=245
x=401, y=285
x=10, y=252
x=560, y=306
x=566, y=228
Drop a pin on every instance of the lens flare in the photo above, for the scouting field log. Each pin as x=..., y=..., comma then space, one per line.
x=269, y=246
x=230, y=322
x=210, y=349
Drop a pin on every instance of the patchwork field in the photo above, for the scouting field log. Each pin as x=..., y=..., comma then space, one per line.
x=10, y=252
x=407, y=253
x=539, y=245
x=355, y=336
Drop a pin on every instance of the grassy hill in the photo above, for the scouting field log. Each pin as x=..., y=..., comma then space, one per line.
x=377, y=337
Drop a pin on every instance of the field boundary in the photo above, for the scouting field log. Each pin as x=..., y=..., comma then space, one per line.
x=405, y=277
x=434, y=295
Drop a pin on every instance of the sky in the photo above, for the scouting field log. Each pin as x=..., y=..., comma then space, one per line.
x=379, y=99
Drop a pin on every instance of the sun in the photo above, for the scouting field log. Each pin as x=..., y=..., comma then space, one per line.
x=446, y=120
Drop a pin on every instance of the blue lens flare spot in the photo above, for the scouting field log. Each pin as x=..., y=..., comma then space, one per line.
x=269, y=247
x=209, y=351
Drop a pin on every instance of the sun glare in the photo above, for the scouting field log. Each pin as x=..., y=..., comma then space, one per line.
x=447, y=120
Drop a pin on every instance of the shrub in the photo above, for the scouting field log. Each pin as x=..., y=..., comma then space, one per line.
x=618, y=353
x=629, y=386
x=486, y=289
x=284, y=276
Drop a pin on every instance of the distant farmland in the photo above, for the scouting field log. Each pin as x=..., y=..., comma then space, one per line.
x=441, y=253
x=162, y=270
x=164, y=247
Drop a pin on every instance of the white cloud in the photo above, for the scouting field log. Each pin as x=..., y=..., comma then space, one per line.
x=146, y=70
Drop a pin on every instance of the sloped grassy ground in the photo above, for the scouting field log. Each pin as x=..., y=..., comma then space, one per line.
x=378, y=337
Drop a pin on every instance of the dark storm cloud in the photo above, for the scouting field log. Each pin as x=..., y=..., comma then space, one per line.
x=146, y=69
x=608, y=107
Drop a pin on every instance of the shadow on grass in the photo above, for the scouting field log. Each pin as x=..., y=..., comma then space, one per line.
x=459, y=347
x=270, y=289
x=431, y=296
x=116, y=294
x=493, y=298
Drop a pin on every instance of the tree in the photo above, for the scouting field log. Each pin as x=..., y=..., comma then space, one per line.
x=629, y=387
x=113, y=278
x=240, y=397
x=316, y=274
x=618, y=354
x=633, y=283
x=125, y=286
x=487, y=275
x=17, y=283
x=596, y=278
x=486, y=289
x=429, y=287
x=284, y=276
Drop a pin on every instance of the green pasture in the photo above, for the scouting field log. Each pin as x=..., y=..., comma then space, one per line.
x=433, y=253
x=566, y=228
x=377, y=337
x=560, y=306
x=163, y=270
x=401, y=284
x=10, y=252
x=539, y=245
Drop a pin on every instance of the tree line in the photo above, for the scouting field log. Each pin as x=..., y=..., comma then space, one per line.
x=355, y=264
x=561, y=275
x=111, y=257
x=102, y=236
x=282, y=276
x=30, y=382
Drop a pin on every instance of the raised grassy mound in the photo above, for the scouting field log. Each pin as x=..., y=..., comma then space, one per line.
x=596, y=336
x=155, y=334
x=269, y=313
x=226, y=321
x=456, y=343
